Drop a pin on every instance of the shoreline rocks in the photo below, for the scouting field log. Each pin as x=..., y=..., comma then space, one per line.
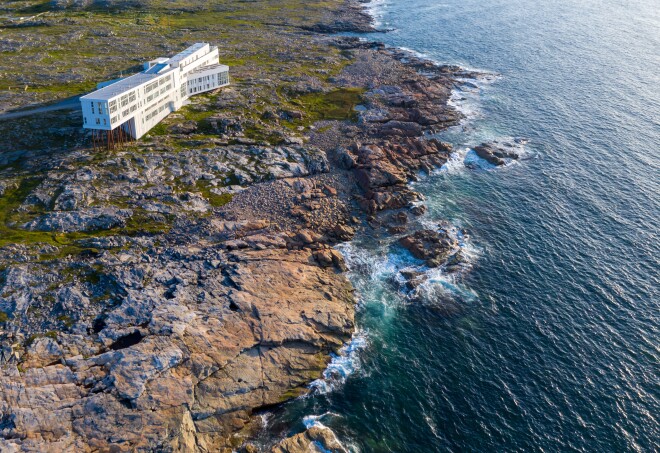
x=496, y=153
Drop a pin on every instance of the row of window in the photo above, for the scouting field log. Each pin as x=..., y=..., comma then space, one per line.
x=155, y=112
x=156, y=104
x=156, y=83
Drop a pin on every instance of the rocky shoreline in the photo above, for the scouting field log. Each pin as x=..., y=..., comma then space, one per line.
x=167, y=293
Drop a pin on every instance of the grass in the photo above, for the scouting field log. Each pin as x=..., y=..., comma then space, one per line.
x=141, y=222
x=214, y=199
x=338, y=104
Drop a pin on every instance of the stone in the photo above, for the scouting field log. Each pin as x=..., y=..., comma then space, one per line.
x=317, y=439
x=434, y=247
x=90, y=219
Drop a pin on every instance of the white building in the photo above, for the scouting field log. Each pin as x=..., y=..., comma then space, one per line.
x=139, y=102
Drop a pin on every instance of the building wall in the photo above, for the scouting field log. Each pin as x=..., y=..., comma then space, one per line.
x=146, y=104
x=208, y=80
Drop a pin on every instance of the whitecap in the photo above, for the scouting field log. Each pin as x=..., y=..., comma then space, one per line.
x=342, y=364
x=456, y=162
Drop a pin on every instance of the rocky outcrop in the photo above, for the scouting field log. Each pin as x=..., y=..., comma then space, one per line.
x=383, y=170
x=317, y=439
x=92, y=219
x=201, y=338
x=211, y=290
x=496, y=153
x=434, y=247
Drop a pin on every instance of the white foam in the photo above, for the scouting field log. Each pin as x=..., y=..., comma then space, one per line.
x=311, y=421
x=466, y=97
x=342, y=365
x=456, y=162
x=375, y=8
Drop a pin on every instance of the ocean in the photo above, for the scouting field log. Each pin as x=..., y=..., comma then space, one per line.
x=550, y=342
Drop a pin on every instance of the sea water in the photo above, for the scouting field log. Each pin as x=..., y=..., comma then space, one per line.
x=549, y=341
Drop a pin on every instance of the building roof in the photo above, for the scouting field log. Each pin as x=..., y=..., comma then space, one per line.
x=211, y=66
x=120, y=87
x=176, y=59
x=163, y=66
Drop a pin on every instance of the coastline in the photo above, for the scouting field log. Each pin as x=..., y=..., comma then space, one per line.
x=271, y=242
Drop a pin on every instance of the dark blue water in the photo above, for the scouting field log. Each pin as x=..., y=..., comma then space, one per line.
x=551, y=342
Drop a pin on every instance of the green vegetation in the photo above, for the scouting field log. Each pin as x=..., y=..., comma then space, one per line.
x=11, y=218
x=335, y=105
x=4, y=317
x=215, y=200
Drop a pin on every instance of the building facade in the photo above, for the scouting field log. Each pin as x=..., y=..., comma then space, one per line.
x=139, y=102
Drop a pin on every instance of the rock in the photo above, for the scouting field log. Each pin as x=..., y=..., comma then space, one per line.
x=343, y=232
x=345, y=159
x=324, y=258
x=42, y=351
x=71, y=198
x=413, y=277
x=434, y=247
x=90, y=219
x=375, y=116
x=317, y=439
x=418, y=210
x=496, y=153
x=184, y=128
x=185, y=368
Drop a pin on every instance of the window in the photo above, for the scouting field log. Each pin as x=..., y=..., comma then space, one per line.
x=104, y=123
x=100, y=108
x=85, y=120
x=98, y=121
x=92, y=108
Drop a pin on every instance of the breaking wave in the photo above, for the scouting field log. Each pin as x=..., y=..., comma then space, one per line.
x=342, y=365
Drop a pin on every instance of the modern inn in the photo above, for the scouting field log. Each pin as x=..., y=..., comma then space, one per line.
x=135, y=104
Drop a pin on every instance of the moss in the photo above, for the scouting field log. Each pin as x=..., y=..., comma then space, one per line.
x=4, y=317
x=51, y=334
x=158, y=129
x=66, y=320
x=214, y=199
x=142, y=222
x=335, y=105
x=293, y=393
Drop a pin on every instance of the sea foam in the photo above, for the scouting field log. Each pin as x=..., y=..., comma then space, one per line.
x=342, y=364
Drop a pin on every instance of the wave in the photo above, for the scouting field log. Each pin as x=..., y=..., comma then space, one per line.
x=375, y=9
x=342, y=365
x=466, y=158
x=314, y=421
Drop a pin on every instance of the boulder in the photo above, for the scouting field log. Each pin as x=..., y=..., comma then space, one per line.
x=434, y=247
x=496, y=153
